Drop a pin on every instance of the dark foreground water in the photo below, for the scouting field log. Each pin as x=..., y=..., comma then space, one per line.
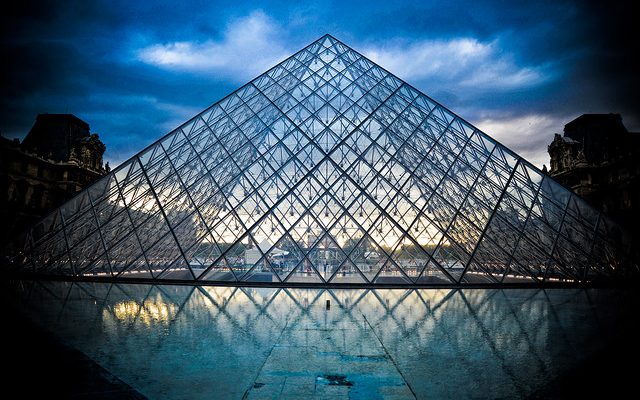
x=178, y=342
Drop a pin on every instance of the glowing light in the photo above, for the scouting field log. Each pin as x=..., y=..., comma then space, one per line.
x=151, y=312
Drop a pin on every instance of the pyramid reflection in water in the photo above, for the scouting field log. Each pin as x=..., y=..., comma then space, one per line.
x=327, y=169
x=201, y=341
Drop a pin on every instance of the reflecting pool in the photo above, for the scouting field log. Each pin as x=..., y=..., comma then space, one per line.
x=225, y=342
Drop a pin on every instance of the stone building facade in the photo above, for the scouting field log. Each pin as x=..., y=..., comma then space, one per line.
x=600, y=160
x=57, y=158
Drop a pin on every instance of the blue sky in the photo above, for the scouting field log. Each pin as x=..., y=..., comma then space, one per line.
x=136, y=70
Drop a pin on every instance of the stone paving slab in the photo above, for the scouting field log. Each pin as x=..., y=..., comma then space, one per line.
x=331, y=362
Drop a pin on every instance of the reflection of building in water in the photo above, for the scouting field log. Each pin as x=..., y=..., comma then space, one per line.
x=151, y=311
x=599, y=160
x=57, y=158
x=226, y=338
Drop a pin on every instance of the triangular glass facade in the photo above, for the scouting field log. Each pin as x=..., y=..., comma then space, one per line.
x=327, y=169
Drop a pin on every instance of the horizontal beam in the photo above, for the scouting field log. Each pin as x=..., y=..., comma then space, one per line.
x=619, y=283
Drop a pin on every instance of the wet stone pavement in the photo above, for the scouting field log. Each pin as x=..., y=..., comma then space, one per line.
x=329, y=362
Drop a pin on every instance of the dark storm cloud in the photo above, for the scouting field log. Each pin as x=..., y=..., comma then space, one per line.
x=532, y=66
x=37, y=70
x=613, y=64
x=72, y=60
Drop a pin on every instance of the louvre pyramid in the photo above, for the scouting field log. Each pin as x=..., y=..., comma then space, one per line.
x=327, y=169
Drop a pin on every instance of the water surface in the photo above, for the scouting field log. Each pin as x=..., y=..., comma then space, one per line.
x=195, y=342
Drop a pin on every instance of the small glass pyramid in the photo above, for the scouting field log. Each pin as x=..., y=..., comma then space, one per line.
x=327, y=169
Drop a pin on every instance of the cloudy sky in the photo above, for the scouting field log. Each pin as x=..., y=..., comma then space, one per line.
x=136, y=70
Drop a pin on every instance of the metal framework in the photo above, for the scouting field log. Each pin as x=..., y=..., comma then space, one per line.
x=325, y=170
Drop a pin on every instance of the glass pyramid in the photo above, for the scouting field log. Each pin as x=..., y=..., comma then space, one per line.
x=327, y=169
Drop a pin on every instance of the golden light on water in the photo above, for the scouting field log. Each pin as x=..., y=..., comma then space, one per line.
x=150, y=312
